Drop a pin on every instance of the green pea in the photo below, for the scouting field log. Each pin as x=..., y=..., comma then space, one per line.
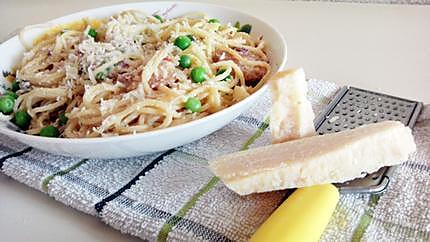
x=184, y=61
x=63, y=119
x=198, y=74
x=22, y=119
x=11, y=94
x=220, y=71
x=92, y=32
x=183, y=42
x=193, y=104
x=159, y=18
x=6, y=104
x=49, y=131
x=101, y=76
x=227, y=78
x=191, y=37
x=237, y=25
x=245, y=28
x=213, y=20
x=15, y=86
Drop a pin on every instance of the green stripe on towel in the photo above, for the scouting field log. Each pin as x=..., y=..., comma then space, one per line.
x=366, y=218
x=256, y=135
x=174, y=220
x=49, y=178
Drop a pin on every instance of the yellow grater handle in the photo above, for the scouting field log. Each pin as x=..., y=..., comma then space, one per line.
x=302, y=217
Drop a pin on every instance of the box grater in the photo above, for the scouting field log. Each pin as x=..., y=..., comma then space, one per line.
x=352, y=107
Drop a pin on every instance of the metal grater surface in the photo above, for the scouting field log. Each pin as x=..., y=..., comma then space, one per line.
x=353, y=107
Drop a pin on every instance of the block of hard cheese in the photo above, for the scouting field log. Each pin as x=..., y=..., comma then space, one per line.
x=291, y=116
x=330, y=158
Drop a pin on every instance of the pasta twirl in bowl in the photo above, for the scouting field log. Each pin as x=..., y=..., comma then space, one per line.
x=132, y=79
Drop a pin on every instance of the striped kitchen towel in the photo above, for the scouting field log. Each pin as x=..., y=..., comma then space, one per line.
x=173, y=196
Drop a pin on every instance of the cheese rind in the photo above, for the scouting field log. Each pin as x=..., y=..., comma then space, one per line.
x=331, y=158
x=291, y=116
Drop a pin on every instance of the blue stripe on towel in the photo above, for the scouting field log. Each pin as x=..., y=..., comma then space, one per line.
x=100, y=205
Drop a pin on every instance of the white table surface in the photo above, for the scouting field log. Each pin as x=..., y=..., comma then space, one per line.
x=380, y=47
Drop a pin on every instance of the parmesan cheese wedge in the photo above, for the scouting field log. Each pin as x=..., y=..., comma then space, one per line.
x=291, y=116
x=330, y=158
x=312, y=206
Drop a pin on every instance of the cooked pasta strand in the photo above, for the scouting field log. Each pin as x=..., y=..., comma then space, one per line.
x=122, y=75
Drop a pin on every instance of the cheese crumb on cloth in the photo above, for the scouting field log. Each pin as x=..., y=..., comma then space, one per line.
x=173, y=196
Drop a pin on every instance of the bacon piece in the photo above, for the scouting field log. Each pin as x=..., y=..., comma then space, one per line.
x=165, y=74
x=129, y=79
x=252, y=74
x=129, y=74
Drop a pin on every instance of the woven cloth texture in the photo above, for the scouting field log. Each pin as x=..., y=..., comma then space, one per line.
x=173, y=196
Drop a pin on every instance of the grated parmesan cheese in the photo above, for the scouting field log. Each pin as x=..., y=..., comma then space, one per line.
x=124, y=37
x=107, y=105
x=96, y=54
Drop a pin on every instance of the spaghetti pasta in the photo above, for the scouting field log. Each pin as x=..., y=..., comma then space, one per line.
x=121, y=75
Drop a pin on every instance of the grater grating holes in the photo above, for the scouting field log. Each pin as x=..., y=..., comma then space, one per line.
x=358, y=107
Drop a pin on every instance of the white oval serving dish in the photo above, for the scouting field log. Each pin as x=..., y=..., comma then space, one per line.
x=153, y=141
